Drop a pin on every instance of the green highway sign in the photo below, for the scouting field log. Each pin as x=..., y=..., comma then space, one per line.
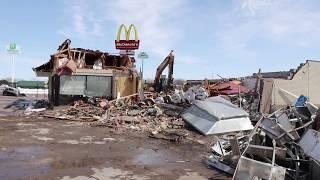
x=143, y=55
x=12, y=48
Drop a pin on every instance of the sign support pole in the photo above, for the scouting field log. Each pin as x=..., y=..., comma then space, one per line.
x=13, y=49
x=13, y=70
x=142, y=56
x=142, y=66
x=142, y=82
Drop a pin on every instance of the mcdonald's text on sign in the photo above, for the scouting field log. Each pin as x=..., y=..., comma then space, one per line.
x=127, y=44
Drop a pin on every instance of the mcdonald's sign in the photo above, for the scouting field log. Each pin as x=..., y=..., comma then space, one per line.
x=127, y=44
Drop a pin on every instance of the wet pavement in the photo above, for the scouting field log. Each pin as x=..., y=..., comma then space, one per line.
x=35, y=148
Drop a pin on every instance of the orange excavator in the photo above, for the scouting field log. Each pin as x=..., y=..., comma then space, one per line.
x=162, y=84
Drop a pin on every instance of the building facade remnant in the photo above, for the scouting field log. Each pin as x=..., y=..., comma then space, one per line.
x=74, y=72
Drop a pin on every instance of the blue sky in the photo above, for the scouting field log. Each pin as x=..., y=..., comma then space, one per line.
x=230, y=38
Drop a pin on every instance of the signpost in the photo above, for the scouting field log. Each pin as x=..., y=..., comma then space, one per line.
x=142, y=56
x=127, y=52
x=127, y=44
x=13, y=49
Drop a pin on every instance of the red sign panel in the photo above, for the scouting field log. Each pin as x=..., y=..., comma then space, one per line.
x=127, y=44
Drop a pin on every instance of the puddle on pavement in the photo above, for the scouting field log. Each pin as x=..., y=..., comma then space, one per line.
x=108, y=174
x=87, y=138
x=38, y=131
x=109, y=139
x=83, y=140
x=111, y=173
x=23, y=162
x=26, y=124
x=69, y=141
x=6, y=113
x=192, y=176
x=43, y=138
x=153, y=157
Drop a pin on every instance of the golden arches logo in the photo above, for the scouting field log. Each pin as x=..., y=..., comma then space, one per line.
x=127, y=44
x=127, y=32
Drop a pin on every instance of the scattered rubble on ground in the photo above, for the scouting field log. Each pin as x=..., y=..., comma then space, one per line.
x=281, y=145
x=27, y=107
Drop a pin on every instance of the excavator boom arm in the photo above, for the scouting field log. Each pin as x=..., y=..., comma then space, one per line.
x=168, y=61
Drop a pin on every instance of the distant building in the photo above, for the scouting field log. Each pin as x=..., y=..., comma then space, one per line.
x=304, y=81
x=76, y=72
x=32, y=84
x=277, y=75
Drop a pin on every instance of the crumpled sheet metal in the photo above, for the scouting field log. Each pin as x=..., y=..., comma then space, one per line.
x=217, y=115
x=220, y=165
x=221, y=108
x=249, y=168
x=310, y=143
x=285, y=124
x=265, y=151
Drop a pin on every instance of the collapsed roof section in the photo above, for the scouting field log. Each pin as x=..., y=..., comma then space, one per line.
x=216, y=115
x=67, y=60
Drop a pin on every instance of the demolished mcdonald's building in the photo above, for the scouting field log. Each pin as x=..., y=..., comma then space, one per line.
x=75, y=72
x=263, y=126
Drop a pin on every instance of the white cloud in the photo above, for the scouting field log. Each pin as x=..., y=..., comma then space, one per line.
x=285, y=18
x=190, y=60
x=251, y=7
x=155, y=20
x=78, y=23
x=246, y=30
x=82, y=20
x=252, y=22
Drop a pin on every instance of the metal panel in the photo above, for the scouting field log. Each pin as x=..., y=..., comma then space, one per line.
x=286, y=125
x=221, y=108
x=265, y=151
x=99, y=86
x=72, y=85
x=220, y=165
x=249, y=168
x=215, y=116
x=310, y=143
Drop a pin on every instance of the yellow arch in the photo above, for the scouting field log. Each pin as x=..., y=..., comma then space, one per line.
x=122, y=26
x=135, y=32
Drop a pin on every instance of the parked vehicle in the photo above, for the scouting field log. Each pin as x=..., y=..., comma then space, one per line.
x=10, y=91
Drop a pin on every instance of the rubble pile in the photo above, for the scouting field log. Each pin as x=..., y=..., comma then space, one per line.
x=80, y=111
x=142, y=116
x=281, y=146
x=124, y=113
x=28, y=106
x=226, y=88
